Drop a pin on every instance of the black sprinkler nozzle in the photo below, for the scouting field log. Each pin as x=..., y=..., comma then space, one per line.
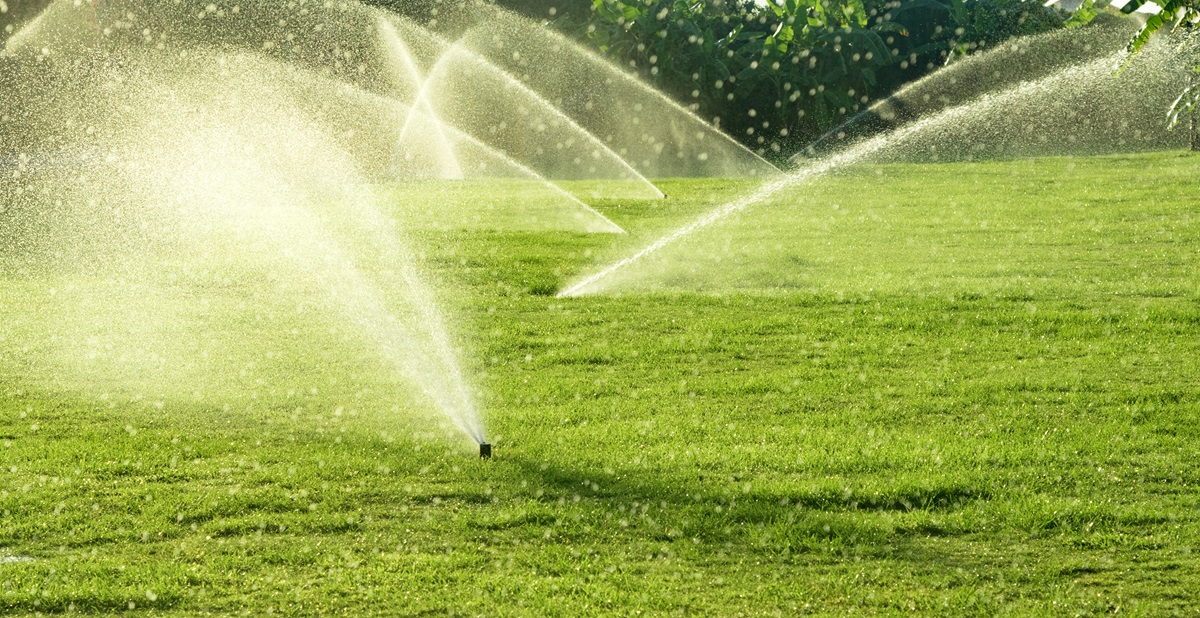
x=485, y=450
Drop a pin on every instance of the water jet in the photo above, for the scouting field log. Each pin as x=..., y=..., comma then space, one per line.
x=271, y=152
x=1001, y=68
x=1081, y=109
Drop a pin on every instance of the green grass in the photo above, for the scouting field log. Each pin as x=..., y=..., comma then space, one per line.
x=1007, y=424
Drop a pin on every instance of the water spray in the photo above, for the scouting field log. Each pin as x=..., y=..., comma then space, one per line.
x=869, y=149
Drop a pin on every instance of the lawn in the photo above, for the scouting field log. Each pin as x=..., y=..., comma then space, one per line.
x=953, y=389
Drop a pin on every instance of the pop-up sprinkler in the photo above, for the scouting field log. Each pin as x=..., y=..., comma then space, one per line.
x=485, y=450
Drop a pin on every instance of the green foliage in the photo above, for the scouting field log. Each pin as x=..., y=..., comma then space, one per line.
x=1176, y=12
x=1185, y=105
x=749, y=64
x=778, y=74
x=1083, y=15
x=1173, y=11
x=993, y=21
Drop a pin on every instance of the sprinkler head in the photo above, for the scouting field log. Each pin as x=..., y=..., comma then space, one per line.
x=485, y=450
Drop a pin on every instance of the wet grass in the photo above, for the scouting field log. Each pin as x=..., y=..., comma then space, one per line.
x=964, y=448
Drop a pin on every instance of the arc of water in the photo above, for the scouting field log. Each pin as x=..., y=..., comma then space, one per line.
x=433, y=74
x=422, y=103
x=854, y=154
x=724, y=210
x=466, y=416
x=459, y=133
x=597, y=60
x=553, y=187
x=422, y=350
x=362, y=304
x=1005, y=66
x=456, y=49
x=521, y=87
x=57, y=19
x=421, y=100
x=20, y=37
x=712, y=216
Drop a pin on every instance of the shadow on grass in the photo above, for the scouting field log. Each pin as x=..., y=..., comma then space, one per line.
x=644, y=508
x=933, y=497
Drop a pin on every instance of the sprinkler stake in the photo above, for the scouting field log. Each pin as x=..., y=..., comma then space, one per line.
x=485, y=450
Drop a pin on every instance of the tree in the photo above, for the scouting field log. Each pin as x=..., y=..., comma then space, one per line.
x=778, y=73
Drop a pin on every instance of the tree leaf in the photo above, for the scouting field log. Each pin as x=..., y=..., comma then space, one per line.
x=1082, y=15
x=1184, y=106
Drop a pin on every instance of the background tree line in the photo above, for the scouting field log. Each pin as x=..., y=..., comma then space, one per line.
x=777, y=74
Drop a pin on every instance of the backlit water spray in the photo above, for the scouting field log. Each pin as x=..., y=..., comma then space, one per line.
x=196, y=177
x=408, y=330
x=942, y=129
x=459, y=70
x=196, y=181
x=447, y=164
